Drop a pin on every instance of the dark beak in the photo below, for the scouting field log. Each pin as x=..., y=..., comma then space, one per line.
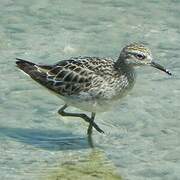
x=158, y=66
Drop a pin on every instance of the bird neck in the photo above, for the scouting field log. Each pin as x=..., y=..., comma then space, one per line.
x=123, y=66
x=126, y=69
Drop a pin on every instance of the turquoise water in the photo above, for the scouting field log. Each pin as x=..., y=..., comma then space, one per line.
x=142, y=133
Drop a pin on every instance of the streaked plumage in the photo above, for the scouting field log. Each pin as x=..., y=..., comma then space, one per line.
x=80, y=79
x=91, y=83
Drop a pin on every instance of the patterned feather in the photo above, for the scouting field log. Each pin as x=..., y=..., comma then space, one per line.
x=92, y=76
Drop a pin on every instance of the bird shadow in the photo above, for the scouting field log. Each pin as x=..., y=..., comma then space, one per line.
x=53, y=140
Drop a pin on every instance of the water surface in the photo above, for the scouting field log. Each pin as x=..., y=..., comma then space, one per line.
x=142, y=139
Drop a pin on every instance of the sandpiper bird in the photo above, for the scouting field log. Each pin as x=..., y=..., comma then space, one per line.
x=91, y=83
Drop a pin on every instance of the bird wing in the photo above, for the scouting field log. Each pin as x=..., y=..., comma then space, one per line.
x=69, y=77
x=75, y=75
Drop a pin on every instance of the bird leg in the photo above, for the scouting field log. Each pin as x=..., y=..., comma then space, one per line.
x=89, y=131
x=83, y=116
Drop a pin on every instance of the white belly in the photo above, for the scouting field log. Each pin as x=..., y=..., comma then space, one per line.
x=88, y=103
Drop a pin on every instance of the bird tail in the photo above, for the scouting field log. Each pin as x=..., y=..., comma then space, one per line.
x=33, y=70
x=26, y=66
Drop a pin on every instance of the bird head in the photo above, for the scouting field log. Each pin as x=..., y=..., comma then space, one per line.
x=137, y=55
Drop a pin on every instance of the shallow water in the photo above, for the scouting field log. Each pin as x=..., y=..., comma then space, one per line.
x=142, y=139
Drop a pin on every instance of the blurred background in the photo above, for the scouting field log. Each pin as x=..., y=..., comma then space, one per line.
x=142, y=133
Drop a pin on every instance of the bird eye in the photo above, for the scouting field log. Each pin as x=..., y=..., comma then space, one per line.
x=140, y=56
